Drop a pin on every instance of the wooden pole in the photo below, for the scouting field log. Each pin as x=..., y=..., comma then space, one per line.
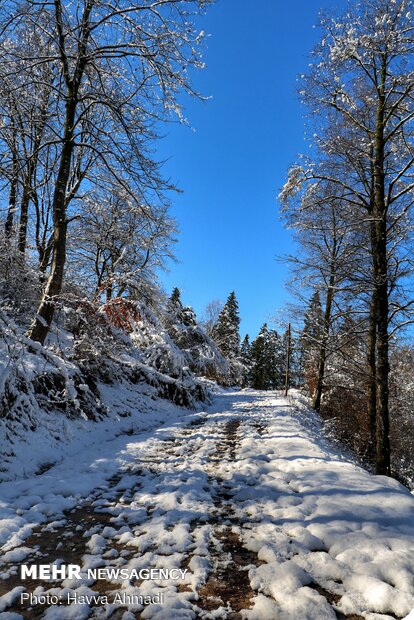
x=288, y=354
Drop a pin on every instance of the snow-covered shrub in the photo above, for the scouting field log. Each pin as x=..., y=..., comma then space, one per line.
x=124, y=340
x=200, y=352
x=20, y=282
x=344, y=408
x=402, y=413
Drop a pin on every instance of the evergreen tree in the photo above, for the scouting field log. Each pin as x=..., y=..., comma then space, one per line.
x=259, y=373
x=267, y=360
x=276, y=355
x=245, y=349
x=189, y=317
x=175, y=298
x=178, y=313
x=246, y=360
x=175, y=308
x=226, y=330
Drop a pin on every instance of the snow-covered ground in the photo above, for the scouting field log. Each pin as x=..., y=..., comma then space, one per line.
x=264, y=519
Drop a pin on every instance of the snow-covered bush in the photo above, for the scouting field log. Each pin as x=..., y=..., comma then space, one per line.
x=201, y=354
x=20, y=282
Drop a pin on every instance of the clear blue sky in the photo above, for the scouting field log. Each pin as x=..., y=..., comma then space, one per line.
x=233, y=162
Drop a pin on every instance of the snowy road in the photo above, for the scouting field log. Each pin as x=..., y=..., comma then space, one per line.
x=263, y=519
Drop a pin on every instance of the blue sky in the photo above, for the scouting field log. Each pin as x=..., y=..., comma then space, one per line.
x=233, y=161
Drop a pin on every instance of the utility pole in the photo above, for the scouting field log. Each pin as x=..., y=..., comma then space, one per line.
x=288, y=354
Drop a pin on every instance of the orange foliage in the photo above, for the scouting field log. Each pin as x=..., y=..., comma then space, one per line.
x=122, y=313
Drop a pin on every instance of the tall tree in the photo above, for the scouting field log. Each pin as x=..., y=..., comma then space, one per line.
x=246, y=360
x=175, y=306
x=267, y=355
x=260, y=360
x=360, y=88
x=226, y=330
x=329, y=251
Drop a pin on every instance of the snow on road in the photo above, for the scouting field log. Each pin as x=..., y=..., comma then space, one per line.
x=253, y=513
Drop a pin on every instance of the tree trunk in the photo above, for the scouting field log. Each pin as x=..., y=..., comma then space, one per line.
x=108, y=291
x=373, y=320
x=8, y=228
x=326, y=318
x=41, y=324
x=322, y=351
x=372, y=373
x=45, y=250
x=24, y=214
x=383, y=465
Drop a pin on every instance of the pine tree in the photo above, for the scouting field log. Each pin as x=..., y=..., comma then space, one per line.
x=245, y=349
x=175, y=307
x=276, y=353
x=175, y=298
x=267, y=360
x=189, y=317
x=246, y=360
x=259, y=359
x=226, y=330
x=263, y=373
x=311, y=340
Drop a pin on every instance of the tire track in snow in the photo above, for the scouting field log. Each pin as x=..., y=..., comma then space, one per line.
x=228, y=586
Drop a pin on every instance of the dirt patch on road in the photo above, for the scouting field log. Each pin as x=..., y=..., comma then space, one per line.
x=228, y=584
x=67, y=543
x=333, y=599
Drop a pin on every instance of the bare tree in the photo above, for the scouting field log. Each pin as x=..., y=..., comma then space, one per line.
x=211, y=314
x=329, y=252
x=115, y=247
x=118, y=70
x=360, y=88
